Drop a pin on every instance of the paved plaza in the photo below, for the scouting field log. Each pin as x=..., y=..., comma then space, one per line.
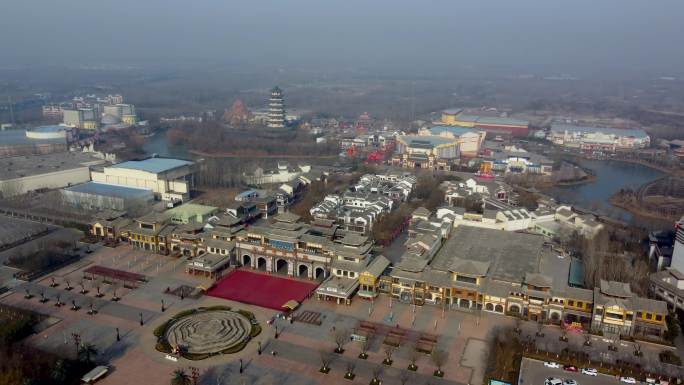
x=293, y=358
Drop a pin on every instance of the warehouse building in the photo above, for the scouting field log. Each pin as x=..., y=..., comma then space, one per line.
x=102, y=196
x=22, y=174
x=597, y=139
x=493, y=124
x=169, y=179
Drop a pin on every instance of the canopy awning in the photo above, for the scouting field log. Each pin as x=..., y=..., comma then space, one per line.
x=291, y=304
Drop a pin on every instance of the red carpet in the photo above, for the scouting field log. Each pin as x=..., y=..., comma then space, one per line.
x=260, y=289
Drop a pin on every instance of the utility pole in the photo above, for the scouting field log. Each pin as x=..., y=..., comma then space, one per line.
x=77, y=341
x=11, y=109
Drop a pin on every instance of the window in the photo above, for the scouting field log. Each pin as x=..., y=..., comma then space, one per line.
x=338, y=272
x=580, y=304
x=571, y=302
x=599, y=311
x=461, y=278
x=614, y=315
x=658, y=317
x=640, y=315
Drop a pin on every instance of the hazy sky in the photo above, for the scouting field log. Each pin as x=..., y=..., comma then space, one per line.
x=518, y=36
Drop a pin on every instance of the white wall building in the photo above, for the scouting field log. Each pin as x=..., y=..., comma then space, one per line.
x=169, y=179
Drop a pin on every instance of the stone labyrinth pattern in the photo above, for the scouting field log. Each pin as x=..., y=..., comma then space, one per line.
x=209, y=332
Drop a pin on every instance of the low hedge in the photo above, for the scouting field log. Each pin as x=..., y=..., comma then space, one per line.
x=255, y=330
x=247, y=314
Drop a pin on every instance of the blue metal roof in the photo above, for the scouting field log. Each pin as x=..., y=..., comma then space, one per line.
x=153, y=165
x=576, y=275
x=635, y=132
x=426, y=139
x=245, y=193
x=111, y=190
x=456, y=130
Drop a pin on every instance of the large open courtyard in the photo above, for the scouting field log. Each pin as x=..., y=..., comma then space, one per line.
x=124, y=330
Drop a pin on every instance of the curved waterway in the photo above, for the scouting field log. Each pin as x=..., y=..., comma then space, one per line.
x=611, y=176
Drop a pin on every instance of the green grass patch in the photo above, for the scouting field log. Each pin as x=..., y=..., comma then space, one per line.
x=255, y=330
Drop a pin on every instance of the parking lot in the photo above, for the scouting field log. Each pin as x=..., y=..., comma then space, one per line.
x=534, y=372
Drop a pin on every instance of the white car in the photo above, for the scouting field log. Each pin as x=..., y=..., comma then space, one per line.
x=551, y=364
x=650, y=380
x=628, y=380
x=569, y=381
x=553, y=381
x=590, y=372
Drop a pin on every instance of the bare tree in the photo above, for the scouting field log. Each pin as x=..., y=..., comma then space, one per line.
x=326, y=358
x=439, y=358
x=340, y=336
x=365, y=346
x=377, y=373
x=10, y=189
x=389, y=350
x=413, y=356
x=350, y=370
x=405, y=377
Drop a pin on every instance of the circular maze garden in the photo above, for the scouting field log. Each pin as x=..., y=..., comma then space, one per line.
x=204, y=332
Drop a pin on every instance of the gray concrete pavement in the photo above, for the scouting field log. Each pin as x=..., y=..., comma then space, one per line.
x=533, y=372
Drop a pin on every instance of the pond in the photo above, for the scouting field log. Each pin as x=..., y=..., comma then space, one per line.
x=611, y=176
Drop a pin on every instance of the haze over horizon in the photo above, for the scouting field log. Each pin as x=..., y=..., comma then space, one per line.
x=609, y=37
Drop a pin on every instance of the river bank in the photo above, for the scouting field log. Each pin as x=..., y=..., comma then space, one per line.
x=609, y=177
x=665, y=170
x=661, y=198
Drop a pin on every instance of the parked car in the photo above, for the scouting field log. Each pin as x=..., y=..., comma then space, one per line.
x=590, y=372
x=569, y=381
x=628, y=380
x=551, y=364
x=553, y=381
x=651, y=380
x=570, y=368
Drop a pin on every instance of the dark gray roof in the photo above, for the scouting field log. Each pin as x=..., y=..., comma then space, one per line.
x=616, y=289
x=538, y=280
x=470, y=268
x=511, y=255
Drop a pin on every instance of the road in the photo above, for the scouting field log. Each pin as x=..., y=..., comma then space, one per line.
x=534, y=372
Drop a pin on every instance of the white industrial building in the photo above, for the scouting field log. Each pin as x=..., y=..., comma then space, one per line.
x=101, y=196
x=597, y=138
x=169, y=179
